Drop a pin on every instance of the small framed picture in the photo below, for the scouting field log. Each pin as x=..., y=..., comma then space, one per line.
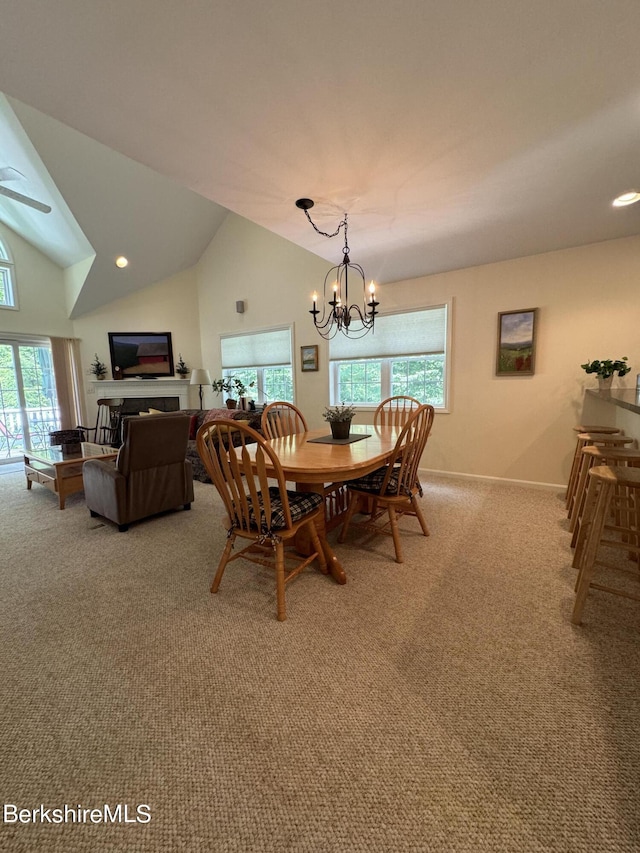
x=309, y=357
x=516, y=343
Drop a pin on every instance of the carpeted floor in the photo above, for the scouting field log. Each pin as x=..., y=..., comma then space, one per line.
x=446, y=704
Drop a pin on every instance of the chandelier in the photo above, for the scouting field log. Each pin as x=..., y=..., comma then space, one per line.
x=336, y=314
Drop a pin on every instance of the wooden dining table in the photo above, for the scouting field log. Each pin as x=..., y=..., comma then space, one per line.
x=325, y=467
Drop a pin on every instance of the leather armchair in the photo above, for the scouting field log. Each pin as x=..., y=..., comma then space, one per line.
x=149, y=476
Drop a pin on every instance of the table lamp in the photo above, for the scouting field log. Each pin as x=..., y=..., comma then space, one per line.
x=200, y=377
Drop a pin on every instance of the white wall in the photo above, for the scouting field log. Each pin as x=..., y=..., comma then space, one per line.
x=167, y=306
x=511, y=427
x=521, y=427
x=41, y=293
x=275, y=278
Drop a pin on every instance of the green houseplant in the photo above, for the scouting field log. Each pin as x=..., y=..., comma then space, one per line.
x=606, y=369
x=181, y=367
x=339, y=418
x=231, y=385
x=98, y=368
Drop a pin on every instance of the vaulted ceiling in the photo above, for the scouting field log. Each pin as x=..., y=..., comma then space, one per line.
x=453, y=133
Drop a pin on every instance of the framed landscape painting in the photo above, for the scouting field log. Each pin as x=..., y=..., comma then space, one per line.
x=516, y=343
x=309, y=357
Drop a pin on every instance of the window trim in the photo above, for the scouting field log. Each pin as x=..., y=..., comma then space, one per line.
x=7, y=263
x=446, y=408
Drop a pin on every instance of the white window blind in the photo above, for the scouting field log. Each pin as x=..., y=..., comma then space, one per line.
x=410, y=333
x=256, y=349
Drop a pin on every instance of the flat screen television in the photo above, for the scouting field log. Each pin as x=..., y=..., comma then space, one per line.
x=141, y=354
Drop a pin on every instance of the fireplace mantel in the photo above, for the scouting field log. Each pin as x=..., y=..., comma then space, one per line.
x=169, y=387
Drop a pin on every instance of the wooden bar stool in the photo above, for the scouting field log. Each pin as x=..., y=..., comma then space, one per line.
x=613, y=494
x=591, y=456
x=583, y=440
x=601, y=430
x=606, y=430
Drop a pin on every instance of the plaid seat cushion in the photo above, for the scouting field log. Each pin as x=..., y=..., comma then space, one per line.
x=373, y=482
x=300, y=504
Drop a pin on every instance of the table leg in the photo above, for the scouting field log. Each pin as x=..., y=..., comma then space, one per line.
x=303, y=542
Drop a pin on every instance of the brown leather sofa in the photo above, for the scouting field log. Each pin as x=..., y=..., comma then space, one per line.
x=149, y=476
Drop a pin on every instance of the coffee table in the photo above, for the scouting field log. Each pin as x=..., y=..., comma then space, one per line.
x=60, y=470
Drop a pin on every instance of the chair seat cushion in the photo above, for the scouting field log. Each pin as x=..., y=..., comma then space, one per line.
x=300, y=504
x=373, y=481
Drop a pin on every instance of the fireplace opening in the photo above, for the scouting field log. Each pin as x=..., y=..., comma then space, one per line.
x=133, y=405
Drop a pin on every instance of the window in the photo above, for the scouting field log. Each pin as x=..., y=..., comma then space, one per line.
x=405, y=354
x=28, y=400
x=7, y=279
x=263, y=358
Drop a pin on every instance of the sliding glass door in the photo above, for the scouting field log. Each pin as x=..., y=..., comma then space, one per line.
x=28, y=401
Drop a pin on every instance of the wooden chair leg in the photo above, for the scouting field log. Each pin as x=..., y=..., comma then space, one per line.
x=577, y=502
x=585, y=523
x=280, y=599
x=416, y=508
x=353, y=500
x=573, y=474
x=223, y=563
x=393, y=520
x=590, y=551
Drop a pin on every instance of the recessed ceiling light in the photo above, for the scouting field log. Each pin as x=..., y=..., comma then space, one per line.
x=630, y=197
x=122, y=262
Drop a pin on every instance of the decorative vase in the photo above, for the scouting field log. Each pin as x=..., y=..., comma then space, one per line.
x=231, y=404
x=340, y=429
x=605, y=384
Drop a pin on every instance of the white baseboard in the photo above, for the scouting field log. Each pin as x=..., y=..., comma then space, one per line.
x=531, y=484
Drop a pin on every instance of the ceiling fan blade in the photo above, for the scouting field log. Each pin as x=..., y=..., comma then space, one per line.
x=8, y=173
x=24, y=199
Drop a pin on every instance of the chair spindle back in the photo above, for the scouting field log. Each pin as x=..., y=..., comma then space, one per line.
x=282, y=418
x=244, y=492
x=395, y=411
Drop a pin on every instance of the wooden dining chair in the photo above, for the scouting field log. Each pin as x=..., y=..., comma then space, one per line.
x=395, y=411
x=267, y=515
x=394, y=489
x=108, y=422
x=281, y=418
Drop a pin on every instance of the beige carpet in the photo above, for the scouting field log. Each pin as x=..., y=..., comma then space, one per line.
x=446, y=704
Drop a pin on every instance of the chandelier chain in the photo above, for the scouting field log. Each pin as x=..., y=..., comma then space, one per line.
x=324, y=233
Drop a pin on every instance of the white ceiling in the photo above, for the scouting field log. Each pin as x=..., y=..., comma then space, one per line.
x=453, y=132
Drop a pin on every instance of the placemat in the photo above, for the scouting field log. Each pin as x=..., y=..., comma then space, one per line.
x=329, y=439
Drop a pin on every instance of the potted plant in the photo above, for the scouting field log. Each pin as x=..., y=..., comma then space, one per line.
x=606, y=369
x=231, y=385
x=339, y=418
x=181, y=368
x=98, y=368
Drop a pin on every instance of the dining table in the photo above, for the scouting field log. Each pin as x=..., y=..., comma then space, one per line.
x=316, y=462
